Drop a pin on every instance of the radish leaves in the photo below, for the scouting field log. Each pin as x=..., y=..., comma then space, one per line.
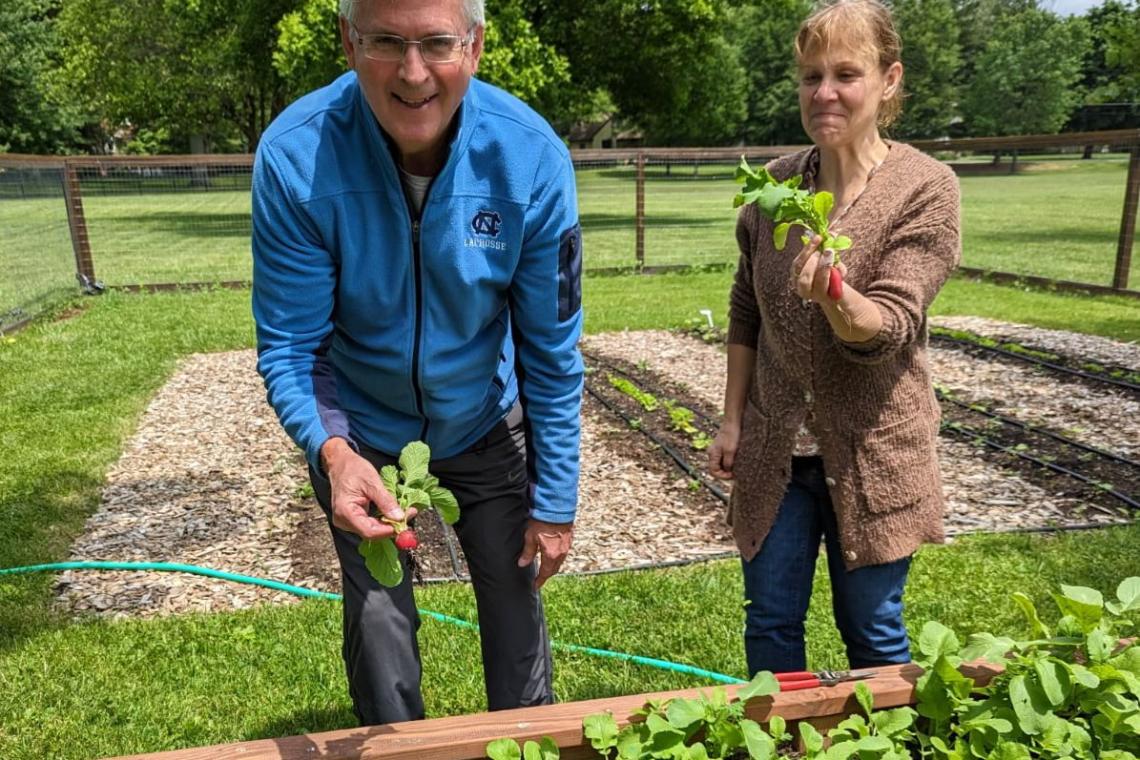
x=412, y=486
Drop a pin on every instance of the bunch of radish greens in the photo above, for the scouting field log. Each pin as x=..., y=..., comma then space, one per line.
x=787, y=204
x=412, y=486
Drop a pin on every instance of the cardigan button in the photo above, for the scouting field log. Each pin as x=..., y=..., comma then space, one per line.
x=851, y=556
x=830, y=481
x=807, y=397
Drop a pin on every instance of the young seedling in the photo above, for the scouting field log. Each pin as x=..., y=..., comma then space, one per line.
x=412, y=486
x=787, y=204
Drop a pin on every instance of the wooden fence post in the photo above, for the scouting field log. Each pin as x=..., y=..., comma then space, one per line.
x=84, y=267
x=1128, y=221
x=640, y=211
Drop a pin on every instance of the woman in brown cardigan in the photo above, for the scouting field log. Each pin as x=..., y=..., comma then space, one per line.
x=830, y=420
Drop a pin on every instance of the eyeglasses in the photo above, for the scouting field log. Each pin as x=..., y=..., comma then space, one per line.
x=390, y=48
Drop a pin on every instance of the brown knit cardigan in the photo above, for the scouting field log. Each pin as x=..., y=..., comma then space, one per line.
x=876, y=417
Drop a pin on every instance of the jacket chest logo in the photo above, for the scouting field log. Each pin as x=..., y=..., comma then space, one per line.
x=486, y=226
x=486, y=223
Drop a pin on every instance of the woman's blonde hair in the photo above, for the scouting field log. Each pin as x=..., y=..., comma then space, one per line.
x=865, y=27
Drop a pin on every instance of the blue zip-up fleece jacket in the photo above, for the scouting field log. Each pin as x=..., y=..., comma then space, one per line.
x=384, y=329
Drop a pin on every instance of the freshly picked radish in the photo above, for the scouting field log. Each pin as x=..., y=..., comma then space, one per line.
x=412, y=486
x=787, y=204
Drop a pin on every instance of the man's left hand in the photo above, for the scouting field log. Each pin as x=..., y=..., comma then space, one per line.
x=552, y=541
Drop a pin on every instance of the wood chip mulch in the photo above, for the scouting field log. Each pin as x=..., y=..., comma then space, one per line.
x=210, y=479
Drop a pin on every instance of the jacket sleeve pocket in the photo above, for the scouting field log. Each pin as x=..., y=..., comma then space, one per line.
x=898, y=464
x=570, y=273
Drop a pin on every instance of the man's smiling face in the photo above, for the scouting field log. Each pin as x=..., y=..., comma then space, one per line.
x=414, y=101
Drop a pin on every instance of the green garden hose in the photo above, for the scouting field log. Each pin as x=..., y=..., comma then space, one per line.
x=174, y=567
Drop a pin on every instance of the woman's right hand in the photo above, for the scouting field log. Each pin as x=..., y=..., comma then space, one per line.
x=722, y=451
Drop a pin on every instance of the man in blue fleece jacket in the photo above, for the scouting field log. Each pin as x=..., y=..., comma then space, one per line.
x=417, y=276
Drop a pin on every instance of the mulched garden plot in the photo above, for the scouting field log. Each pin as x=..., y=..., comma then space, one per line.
x=1074, y=349
x=1106, y=473
x=658, y=421
x=209, y=478
x=617, y=525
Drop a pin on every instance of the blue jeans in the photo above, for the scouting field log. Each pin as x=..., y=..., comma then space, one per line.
x=777, y=585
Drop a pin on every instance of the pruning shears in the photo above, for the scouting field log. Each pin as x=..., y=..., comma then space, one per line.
x=804, y=679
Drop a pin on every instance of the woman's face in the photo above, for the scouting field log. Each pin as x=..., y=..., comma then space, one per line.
x=841, y=91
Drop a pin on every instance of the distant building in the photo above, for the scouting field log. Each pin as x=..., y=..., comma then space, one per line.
x=604, y=133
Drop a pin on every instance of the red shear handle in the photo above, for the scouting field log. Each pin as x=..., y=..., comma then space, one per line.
x=798, y=680
x=807, y=683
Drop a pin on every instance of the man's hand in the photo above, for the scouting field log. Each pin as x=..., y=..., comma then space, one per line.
x=552, y=541
x=355, y=483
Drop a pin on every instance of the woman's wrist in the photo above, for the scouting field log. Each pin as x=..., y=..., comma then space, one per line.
x=854, y=317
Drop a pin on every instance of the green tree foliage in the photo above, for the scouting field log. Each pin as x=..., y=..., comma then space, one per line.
x=764, y=32
x=665, y=62
x=308, y=53
x=931, y=59
x=1122, y=54
x=1101, y=79
x=516, y=59
x=1025, y=78
x=32, y=118
x=191, y=67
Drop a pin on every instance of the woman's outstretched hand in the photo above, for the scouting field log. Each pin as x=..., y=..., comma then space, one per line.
x=811, y=273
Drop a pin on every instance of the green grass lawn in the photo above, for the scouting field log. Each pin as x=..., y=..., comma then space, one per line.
x=72, y=394
x=170, y=237
x=1059, y=218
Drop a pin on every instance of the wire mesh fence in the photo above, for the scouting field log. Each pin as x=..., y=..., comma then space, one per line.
x=155, y=222
x=37, y=260
x=183, y=220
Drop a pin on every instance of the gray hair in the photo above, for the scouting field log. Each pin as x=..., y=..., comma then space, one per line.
x=472, y=9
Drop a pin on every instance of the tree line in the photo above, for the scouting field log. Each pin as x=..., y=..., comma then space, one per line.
x=155, y=76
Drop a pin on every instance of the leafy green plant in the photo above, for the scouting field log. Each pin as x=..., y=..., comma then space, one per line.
x=647, y=400
x=412, y=486
x=1072, y=692
x=787, y=204
x=681, y=420
x=882, y=735
x=508, y=749
x=701, y=441
x=707, y=727
x=700, y=328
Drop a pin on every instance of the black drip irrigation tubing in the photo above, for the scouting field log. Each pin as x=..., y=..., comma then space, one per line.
x=1041, y=362
x=607, y=366
x=1071, y=528
x=963, y=432
x=667, y=448
x=449, y=542
x=942, y=396
x=966, y=432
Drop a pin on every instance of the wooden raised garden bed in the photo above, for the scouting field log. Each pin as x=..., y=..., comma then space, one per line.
x=465, y=737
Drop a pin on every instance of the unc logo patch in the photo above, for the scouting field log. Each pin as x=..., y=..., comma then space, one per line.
x=486, y=223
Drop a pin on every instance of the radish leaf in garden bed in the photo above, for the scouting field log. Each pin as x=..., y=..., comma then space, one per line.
x=412, y=486
x=1072, y=693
